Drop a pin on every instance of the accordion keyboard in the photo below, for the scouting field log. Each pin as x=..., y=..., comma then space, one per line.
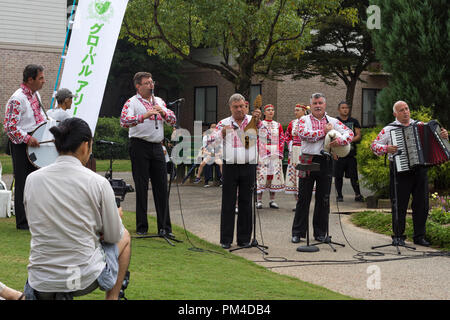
x=401, y=161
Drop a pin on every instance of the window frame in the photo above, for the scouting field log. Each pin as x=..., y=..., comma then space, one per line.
x=195, y=103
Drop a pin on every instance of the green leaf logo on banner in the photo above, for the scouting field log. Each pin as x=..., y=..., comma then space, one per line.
x=102, y=6
x=101, y=10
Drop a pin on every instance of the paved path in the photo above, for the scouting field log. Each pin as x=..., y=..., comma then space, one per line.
x=424, y=278
x=340, y=271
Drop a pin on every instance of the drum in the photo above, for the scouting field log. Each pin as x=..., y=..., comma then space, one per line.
x=340, y=151
x=46, y=153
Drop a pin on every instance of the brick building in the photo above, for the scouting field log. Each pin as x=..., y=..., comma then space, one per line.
x=206, y=95
x=30, y=32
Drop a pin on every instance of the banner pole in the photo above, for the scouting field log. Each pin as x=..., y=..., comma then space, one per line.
x=62, y=54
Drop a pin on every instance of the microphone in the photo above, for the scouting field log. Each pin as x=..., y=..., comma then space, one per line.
x=111, y=143
x=324, y=153
x=170, y=104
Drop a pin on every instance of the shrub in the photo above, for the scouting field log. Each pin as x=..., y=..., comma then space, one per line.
x=374, y=172
x=109, y=129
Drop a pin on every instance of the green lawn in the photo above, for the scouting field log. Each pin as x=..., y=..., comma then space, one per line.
x=102, y=165
x=162, y=272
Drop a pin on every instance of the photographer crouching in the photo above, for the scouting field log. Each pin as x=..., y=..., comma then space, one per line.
x=78, y=241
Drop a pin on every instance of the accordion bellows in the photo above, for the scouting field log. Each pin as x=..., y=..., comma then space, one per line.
x=421, y=145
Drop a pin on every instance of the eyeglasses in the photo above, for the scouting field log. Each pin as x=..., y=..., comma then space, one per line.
x=148, y=83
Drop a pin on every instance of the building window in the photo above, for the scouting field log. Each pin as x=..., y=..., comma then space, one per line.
x=206, y=105
x=369, y=106
x=255, y=89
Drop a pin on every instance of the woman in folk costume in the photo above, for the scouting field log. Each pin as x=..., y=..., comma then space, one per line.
x=270, y=168
x=294, y=144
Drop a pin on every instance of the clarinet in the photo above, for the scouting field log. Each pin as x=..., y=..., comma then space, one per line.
x=153, y=105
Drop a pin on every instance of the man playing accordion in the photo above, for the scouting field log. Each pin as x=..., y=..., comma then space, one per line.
x=412, y=182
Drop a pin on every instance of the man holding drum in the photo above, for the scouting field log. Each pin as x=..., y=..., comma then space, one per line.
x=312, y=130
x=23, y=114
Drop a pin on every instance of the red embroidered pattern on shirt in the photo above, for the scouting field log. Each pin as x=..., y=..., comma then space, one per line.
x=35, y=105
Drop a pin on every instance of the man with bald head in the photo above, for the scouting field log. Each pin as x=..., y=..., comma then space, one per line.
x=412, y=182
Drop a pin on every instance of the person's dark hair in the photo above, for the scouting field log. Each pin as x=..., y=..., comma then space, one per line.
x=341, y=103
x=137, y=79
x=32, y=71
x=70, y=133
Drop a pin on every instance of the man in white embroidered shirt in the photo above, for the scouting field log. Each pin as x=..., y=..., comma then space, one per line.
x=312, y=130
x=239, y=171
x=78, y=241
x=23, y=114
x=412, y=182
x=144, y=115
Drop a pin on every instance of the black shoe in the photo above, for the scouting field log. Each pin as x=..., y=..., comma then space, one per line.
x=359, y=198
x=322, y=238
x=339, y=199
x=398, y=241
x=141, y=233
x=170, y=235
x=243, y=244
x=164, y=233
x=226, y=245
x=422, y=242
x=295, y=239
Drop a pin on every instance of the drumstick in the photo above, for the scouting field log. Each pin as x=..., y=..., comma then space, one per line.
x=48, y=141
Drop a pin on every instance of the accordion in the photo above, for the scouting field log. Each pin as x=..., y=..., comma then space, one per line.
x=421, y=145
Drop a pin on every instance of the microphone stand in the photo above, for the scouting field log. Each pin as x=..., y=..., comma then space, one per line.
x=312, y=167
x=108, y=174
x=327, y=239
x=254, y=243
x=395, y=207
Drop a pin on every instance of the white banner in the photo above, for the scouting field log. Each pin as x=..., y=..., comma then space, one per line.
x=92, y=43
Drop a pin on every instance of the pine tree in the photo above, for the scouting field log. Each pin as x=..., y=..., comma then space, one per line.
x=413, y=45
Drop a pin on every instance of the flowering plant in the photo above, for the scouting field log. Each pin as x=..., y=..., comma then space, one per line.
x=440, y=208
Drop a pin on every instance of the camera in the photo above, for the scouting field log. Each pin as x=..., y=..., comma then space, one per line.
x=121, y=188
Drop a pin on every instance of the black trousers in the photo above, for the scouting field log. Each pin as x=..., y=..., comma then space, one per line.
x=410, y=183
x=148, y=162
x=322, y=179
x=237, y=178
x=22, y=168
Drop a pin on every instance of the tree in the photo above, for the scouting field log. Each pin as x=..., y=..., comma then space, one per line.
x=247, y=35
x=341, y=49
x=413, y=45
x=129, y=59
